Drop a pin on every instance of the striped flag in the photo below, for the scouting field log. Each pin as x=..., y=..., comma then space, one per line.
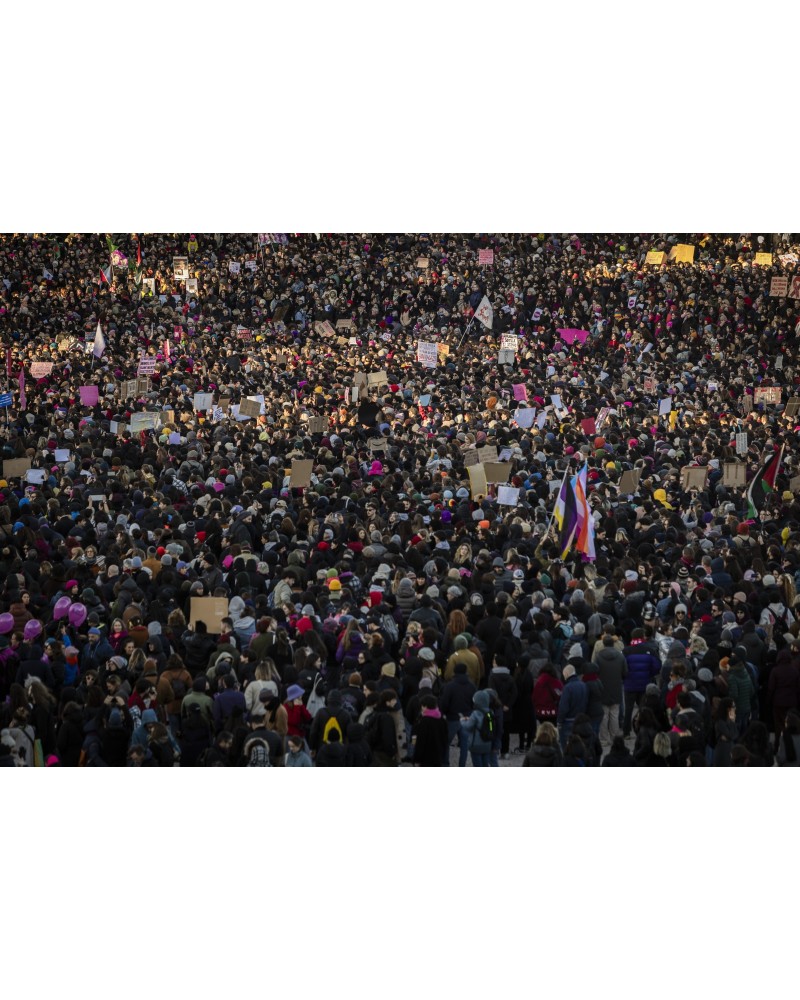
x=105, y=275
x=566, y=515
x=585, y=536
x=762, y=484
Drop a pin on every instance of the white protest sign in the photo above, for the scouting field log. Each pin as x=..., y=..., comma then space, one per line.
x=234, y=266
x=203, y=400
x=506, y=357
x=146, y=366
x=665, y=407
x=41, y=369
x=741, y=443
x=508, y=496
x=427, y=354
x=35, y=475
x=524, y=416
x=509, y=342
x=62, y=454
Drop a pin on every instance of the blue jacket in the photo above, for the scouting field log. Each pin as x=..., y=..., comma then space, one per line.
x=574, y=699
x=643, y=666
x=472, y=725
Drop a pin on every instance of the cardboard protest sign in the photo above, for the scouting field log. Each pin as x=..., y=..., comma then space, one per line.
x=508, y=496
x=486, y=257
x=300, y=474
x=497, y=472
x=344, y=324
x=191, y=286
x=180, y=268
x=422, y=263
x=665, y=406
x=378, y=444
x=249, y=408
x=629, y=481
x=427, y=354
x=741, y=443
x=683, y=253
x=89, y=394
x=655, y=257
x=769, y=394
x=210, y=611
x=15, y=467
x=487, y=454
x=143, y=422
x=747, y=403
x=794, y=288
x=377, y=378
x=734, y=474
x=509, y=342
x=143, y=386
x=146, y=365
x=764, y=259
x=478, y=486
x=694, y=477
x=234, y=266
x=251, y=264
x=471, y=457
x=41, y=369
x=204, y=401
x=794, y=484
x=792, y=406
x=506, y=357
x=360, y=379
x=317, y=425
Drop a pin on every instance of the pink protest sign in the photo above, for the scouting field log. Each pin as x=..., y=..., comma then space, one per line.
x=89, y=395
x=588, y=425
x=569, y=336
x=520, y=392
x=486, y=257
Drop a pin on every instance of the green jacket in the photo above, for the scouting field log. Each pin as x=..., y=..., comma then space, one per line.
x=741, y=688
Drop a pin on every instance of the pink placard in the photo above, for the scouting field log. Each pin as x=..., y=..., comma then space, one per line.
x=89, y=395
x=520, y=392
x=569, y=336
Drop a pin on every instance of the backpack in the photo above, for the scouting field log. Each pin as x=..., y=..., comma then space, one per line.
x=178, y=686
x=779, y=628
x=332, y=723
x=316, y=700
x=487, y=727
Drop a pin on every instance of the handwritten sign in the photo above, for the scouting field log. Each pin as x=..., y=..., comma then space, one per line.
x=422, y=263
x=764, y=259
x=204, y=401
x=486, y=257
x=377, y=378
x=778, y=287
x=734, y=474
x=769, y=394
x=683, y=253
x=741, y=443
x=655, y=257
x=146, y=366
x=794, y=288
x=506, y=357
x=694, y=477
x=478, y=486
x=234, y=267
x=507, y=496
x=427, y=354
x=300, y=473
x=41, y=369
x=487, y=454
x=509, y=342
x=143, y=422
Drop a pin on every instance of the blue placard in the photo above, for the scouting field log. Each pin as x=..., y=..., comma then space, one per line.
x=5, y=399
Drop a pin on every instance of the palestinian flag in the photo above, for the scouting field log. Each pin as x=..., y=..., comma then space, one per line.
x=105, y=275
x=762, y=484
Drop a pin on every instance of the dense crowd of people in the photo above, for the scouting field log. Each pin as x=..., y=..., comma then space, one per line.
x=290, y=500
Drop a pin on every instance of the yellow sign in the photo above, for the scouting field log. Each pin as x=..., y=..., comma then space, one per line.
x=684, y=253
x=764, y=259
x=654, y=257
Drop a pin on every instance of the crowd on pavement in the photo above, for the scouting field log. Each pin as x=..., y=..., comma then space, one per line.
x=291, y=500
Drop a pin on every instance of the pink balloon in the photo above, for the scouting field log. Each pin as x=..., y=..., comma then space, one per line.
x=77, y=615
x=61, y=608
x=32, y=629
x=6, y=623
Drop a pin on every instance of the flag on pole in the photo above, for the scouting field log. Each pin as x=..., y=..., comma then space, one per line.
x=762, y=484
x=99, y=348
x=22, y=401
x=584, y=541
x=566, y=515
x=105, y=275
x=47, y=275
x=484, y=313
x=139, y=253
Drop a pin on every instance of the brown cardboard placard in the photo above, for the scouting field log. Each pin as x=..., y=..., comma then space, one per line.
x=225, y=403
x=655, y=257
x=767, y=394
x=747, y=403
x=794, y=484
x=734, y=474
x=778, y=288
x=488, y=453
x=683, y=253
x=378, y=444
x=693, y=477
x=478, y=486
x=210, y=611
x=317, y=424
x=143, y=386
x=629, y=481
x=422, y=263
x=250, y=408
x=471, y=457
x=344, y=324
x=792, y=406
x=497, y=472
x=15, y=467
x=300, y=472
x=377, y=378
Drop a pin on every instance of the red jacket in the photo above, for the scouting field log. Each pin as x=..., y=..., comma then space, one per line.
x=545, y=695
x=299, y=719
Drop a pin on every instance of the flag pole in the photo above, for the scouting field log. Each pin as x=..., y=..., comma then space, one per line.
x=553, y=512
x=469, y=327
